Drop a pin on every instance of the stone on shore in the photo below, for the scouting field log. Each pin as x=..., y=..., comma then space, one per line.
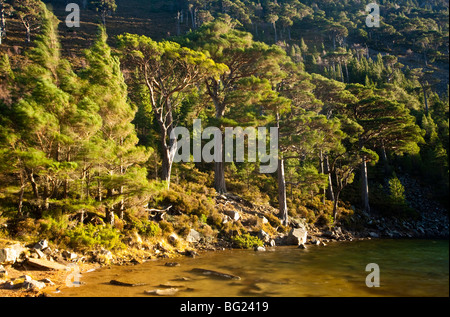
x=3, y=272
x=41, y=245
x=127, y=284
x=10, y=254
x=297, y=236
x=216, y=274
x=233, y=214
x=193, y=236
x=163, y=292
x=46, y=265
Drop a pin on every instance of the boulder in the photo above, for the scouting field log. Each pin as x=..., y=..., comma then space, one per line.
x=233, y=214
x=172, y=264
x=45, y=264
x=126, y=284
x=8, y=256
x=38, y=254
x=216, y=274
x=260, y=249
x=225, y=219
x=263, y=236
x=70, y=256
x=3, y=272
x=193, y=236
x=297, y=236
x=302, y=246
x=41, y=245
x=173, y=238
x=163, y=292
x=33, y=285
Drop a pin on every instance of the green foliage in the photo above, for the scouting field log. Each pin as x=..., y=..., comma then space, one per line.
x=397, y=191
x=247, y=241
x=89, y=236
x=147, y=228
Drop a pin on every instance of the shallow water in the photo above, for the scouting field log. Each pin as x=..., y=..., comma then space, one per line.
x=407, y=268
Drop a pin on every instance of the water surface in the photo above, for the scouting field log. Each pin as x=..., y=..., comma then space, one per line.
x=407, y=268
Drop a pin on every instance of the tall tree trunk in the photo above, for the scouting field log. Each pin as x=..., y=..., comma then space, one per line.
x=346, y=72
x=109, y=211
x=275, y=30
x=20, y=205
x=385, y=158
x=365, y=186
x=341, y=72
x=166, y=167
x=425, y=98
x=219, y=167
x=178, y=23
x=219, y=177
x=34, y=185
x=322, y=171
x=28, y=32
x=282, y=202
x=330, y=191
x=2, y=24
x=335, y=205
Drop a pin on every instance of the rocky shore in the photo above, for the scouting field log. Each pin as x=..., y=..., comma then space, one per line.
x=39, y=269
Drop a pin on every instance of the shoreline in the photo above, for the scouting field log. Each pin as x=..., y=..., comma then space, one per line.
x=59, y=278
x=39, y=269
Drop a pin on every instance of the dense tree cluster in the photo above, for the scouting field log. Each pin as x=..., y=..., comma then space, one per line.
x=88, y=140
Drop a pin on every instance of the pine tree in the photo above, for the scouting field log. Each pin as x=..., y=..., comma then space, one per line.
x=168, y=72
x=387, y=126
x=246, y=61
x=120, y=158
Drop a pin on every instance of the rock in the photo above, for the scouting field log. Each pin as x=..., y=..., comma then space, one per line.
x=193, y=236
x=39, y=254
x=3, y=272
x=302, y=246
x=8, y=256
x=233, y=214
x=16, y=283
x=70, y=256
x=163, y=292
x=32, y=285
x=272, y=243
x=173, y=238
x=191, y=253
x=104, y=256
x=260, y=249
x=172, y=264
x=119, y=283
x=216, y=274
x=297, y=236
x=45, y=264
x=169, y=285
x=41, y=245
x=183, y=278
x=47, y=281
x=263, y=236
x=225, y=219
x=281, y=239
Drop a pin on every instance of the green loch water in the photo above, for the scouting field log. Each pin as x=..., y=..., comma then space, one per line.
x=407, y=268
